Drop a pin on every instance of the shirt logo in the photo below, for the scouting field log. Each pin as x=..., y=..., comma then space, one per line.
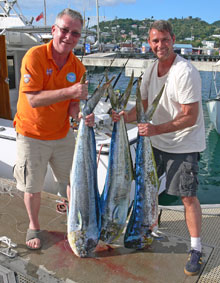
x=49, y=72
x=71, y=77
x=27, y=78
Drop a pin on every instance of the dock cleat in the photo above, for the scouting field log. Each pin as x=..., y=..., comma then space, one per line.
x=194, y=263
x=6, y=246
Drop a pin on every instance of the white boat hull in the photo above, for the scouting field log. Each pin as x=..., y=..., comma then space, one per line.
x=8, y=156
x=213, y=107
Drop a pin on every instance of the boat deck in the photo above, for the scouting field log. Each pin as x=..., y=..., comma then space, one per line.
x=55, y=262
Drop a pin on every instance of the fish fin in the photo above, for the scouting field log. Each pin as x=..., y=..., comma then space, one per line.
x=130, y=209
x=79, y=221
x=115, y=213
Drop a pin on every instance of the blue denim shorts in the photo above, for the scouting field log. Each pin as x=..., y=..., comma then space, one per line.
x=181, y=172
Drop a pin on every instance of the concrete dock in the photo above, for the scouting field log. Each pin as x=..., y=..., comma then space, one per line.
x=138, y=65
x=55, y=262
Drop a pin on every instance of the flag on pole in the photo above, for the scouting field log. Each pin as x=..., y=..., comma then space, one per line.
x=39, y=17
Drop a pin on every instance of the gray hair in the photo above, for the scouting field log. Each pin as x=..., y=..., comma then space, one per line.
x=72, y=13
x=162, y=25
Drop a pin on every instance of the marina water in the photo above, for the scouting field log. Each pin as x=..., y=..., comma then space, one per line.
x=209, y=174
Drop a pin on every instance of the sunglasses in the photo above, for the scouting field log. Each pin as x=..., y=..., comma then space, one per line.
x=65, y=31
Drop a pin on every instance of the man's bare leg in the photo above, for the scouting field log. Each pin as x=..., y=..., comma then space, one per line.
x=68, y=192
x=193, y=215
x=32, y=204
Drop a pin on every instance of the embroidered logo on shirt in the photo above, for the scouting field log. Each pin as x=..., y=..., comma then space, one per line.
x=27, y=78
x=71, y=77
x=49, y=72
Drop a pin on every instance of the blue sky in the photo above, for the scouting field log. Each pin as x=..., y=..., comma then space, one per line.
x=135, y=9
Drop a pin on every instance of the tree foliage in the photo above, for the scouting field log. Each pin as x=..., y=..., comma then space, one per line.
x=193, y=29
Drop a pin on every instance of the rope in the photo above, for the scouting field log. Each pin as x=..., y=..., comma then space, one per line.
x=99, y=155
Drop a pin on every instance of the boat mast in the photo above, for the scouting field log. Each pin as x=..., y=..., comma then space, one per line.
x=45, y=13
x=97, y=12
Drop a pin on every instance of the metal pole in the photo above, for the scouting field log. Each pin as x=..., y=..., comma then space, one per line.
x=45, y=13
x=97, y=11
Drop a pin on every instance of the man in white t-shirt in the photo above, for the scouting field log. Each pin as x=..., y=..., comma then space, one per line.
x=177, y=130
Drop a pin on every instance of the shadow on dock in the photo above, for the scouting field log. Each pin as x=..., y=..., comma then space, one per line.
x=162, y=262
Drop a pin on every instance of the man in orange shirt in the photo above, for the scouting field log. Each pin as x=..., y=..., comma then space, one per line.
x=50, y=91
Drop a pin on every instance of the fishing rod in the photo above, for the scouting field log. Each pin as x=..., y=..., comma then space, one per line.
x=105, y=70
x=138, y=78
x=118, y=77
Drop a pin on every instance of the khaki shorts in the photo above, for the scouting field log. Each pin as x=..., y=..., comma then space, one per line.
x=33, y=157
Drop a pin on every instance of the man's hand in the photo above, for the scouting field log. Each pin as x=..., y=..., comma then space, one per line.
x=79, y=91
x=117, y=116
x=89, y=119
x=74, y=110
x=147, y=129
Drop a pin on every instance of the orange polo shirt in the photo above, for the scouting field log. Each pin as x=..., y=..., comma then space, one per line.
x=40, y=72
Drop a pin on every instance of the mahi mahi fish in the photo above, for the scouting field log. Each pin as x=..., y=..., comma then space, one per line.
x=84, y=218
x=115, y=197
x=143, y=219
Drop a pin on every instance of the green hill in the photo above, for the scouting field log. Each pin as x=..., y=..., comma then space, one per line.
x=187, y=30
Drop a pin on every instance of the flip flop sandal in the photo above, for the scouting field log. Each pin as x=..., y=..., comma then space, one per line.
x=33, y=234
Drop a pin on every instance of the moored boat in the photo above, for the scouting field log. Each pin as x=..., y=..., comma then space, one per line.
x=213, y=104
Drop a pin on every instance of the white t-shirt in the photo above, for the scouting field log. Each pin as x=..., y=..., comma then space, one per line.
x=182, y=86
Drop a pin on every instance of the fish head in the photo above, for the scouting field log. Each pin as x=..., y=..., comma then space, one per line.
x=141, y=117
x=93, y=100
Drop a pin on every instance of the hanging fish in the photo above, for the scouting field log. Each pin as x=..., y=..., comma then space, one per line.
x=84, y=218
x=115, y=197
x=145, y=210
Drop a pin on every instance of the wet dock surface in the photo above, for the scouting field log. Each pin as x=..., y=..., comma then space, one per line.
x=55, y=262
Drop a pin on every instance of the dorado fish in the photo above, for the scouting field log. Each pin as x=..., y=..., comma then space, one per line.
x=145, y=210
x=84, y=218
x=115, y=197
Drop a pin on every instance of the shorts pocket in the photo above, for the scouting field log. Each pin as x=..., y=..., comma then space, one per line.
x=189, y=176
x=19, y=172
